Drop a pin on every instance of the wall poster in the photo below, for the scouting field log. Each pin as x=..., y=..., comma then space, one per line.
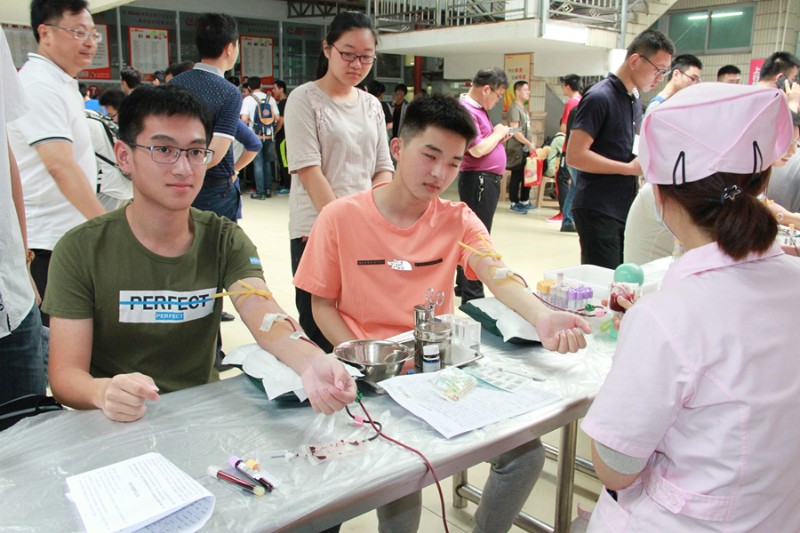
x=149, y=48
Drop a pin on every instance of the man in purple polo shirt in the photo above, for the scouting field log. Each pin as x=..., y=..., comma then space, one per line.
x=484, y=162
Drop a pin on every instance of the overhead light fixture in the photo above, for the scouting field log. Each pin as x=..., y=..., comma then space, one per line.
x=724, y=14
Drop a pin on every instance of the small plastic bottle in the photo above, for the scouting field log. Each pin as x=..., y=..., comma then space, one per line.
x=431, y=360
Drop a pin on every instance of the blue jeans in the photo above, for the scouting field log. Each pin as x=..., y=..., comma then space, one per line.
x=262, y=167
x=23, y=366
x=221, y=199
x=566, y=212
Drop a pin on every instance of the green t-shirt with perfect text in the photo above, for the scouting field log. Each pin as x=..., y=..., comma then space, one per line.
x=151, y=314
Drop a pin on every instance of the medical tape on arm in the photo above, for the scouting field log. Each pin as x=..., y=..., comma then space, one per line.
x=498, y=273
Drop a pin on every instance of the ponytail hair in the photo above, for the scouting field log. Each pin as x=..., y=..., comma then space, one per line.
x=342, y=23
x=726, y=206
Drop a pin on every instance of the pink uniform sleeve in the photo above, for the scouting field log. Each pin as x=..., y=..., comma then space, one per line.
x=645, y=390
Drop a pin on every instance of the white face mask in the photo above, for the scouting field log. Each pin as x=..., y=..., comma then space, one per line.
x=677, y=249
x=659, y=214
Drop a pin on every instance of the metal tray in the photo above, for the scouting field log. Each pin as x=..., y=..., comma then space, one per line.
x=461, y=358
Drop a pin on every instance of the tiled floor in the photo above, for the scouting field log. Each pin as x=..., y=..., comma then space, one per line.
x=528, y=243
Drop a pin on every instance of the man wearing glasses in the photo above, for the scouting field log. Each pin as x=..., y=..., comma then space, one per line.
x=135, y=294
x=602, y=147
x=686, y=70
x=51, y=142
x=484, y=162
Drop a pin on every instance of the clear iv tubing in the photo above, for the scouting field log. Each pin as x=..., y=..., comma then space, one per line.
x=425, y=459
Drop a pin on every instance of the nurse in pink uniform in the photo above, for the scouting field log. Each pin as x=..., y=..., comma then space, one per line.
x=697, y=427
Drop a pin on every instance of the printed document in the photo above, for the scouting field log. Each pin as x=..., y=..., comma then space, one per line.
x=146, y=492
x=482, y=406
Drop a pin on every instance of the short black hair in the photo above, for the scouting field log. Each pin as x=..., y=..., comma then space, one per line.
x=401, y=87
x=683, y=62
x=650, y=42
x=112, y=97
x=215, y=31
x=342, y=23
x=518, y=85
x=234, y=80
x=159, y=76
x=281, y=84
x=52, y=11
x=179, y=68
x=440, y=111
x=160, y=100
x=253, y=83
x=728, y=69
x=83, y=89
x=493, y=77
x=375, y=88
x=131, y=77
x=779, y=63
x=573, y=81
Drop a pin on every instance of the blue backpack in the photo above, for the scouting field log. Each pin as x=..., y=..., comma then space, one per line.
x=263, y=121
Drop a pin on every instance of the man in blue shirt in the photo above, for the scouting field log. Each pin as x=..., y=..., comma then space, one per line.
x=602, y=147
x=218, y=45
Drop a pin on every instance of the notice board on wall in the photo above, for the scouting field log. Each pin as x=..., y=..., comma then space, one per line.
x=20, y=41
x=258, y=57
x=149, y=48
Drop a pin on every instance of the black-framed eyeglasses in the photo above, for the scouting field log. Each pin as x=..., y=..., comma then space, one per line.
x=694, y=77
x=168, y=155
x=349, y=57
x=81, y=35
x=500, y=94
x=660, y=71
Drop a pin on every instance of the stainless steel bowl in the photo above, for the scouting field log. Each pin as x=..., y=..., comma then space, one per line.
x=376, y=359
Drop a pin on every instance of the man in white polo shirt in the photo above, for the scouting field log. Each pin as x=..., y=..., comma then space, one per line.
x=51, y=142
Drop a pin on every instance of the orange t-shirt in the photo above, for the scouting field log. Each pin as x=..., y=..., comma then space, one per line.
x=378, y=272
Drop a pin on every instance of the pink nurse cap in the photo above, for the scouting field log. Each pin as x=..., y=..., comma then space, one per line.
x=714, y=127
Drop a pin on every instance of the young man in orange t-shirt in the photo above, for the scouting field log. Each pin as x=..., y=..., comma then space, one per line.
x=371, y=256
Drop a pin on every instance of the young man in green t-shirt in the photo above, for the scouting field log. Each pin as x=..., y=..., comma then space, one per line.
x=134, y=294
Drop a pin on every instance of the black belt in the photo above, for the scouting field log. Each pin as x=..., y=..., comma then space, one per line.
x=481, y=173
x=216, y=182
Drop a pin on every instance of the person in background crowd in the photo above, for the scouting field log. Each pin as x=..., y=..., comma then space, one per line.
x=520, y=146
x=111, y=99
x=601, y=148
x=260, y=112
x=729, y=74
x=130, y=78
x=777, y=68
x=399, y=105
x=89, y=102
x=335, y=137
x=159, y=77
x=484, y=163
x=377, y=89
x=53, y=149
x=571, y=88
x=177, y=68
x=686, y=70
x=284, y=178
